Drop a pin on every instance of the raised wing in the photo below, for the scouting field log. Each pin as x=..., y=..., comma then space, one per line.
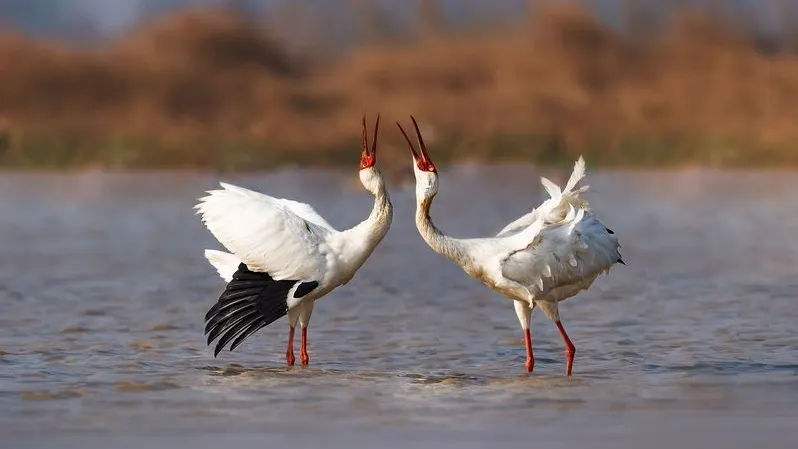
x=304, y=210
x=266, y=234
x=577, y=248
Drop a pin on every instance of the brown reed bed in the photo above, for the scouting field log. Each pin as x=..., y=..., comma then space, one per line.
x=208, y=89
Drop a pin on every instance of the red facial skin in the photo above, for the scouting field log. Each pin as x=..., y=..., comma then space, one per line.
x=367, y=161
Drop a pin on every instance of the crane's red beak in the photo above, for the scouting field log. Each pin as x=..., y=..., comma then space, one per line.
x=368, y=159
x=421, y=156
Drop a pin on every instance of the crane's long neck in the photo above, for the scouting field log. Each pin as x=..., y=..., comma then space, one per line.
x=452, y=249
x=379, y=220
x=361, y=240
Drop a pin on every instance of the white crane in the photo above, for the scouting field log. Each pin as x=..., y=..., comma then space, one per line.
x=284, y=256
x=544, y=257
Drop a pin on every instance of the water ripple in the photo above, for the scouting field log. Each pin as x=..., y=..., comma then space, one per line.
x=106, y=291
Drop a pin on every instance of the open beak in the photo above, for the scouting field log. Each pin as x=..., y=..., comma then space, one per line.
x=421, y=156
x=369, y=158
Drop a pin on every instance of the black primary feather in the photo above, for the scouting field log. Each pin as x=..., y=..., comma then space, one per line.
x=250, y=302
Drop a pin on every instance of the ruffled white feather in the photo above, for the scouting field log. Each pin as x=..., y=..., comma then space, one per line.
x=554, y=208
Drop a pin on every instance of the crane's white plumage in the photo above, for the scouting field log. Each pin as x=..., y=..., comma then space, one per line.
x=543, y=257
x=283, y=255
x=570, y=253
x=225, y=263
x=284, y=238
x=571, y=249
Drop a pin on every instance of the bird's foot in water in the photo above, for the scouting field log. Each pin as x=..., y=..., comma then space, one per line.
x=530, y=365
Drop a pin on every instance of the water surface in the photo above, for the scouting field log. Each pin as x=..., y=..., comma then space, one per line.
x=694, y=342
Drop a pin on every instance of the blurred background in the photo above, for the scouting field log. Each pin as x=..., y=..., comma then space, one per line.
x=255, y=83
x=104, y=283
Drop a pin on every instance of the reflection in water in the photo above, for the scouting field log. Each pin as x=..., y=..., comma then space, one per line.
x=105, y=287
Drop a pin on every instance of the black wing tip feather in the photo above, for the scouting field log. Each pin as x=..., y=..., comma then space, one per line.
x=250, y=302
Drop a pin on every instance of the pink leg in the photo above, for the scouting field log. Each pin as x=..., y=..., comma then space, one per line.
x=530, y=359
x=570, y=350
x=303, y=350
x=289, y=351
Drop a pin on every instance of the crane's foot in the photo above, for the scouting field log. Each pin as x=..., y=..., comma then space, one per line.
x=289, y=358
x=530, y=365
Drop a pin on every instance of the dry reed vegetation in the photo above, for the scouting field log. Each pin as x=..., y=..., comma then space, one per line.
x=208, y=89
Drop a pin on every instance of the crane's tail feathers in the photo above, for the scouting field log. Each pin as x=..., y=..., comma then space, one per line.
x=579, y=191
x=576, y=175
x=553, y=189
x=571, y=212
x=225, y=263
x=562, y=200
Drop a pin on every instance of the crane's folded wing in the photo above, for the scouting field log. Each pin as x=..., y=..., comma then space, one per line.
x=563, y=254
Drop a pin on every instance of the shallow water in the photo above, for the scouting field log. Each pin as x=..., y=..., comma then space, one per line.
x=695, y=341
